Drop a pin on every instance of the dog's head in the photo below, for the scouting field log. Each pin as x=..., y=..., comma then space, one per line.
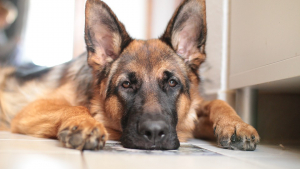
x=148, y=88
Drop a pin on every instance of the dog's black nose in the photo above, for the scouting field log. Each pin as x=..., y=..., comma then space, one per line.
x=153, y=131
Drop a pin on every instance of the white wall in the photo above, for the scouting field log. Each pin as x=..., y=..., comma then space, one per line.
x=162, y=11
x=132, y=13
x=211, y=69
x=49, y=32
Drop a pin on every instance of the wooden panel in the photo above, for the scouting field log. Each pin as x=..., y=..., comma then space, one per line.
x=262, y=32
x=289, y=68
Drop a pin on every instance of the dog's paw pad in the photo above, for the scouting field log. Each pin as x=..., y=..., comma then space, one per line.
x=83, y=138
x=236, y=135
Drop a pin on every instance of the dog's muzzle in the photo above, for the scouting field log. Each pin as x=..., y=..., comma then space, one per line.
x=151, y=131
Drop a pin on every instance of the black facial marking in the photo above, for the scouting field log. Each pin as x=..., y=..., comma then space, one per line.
x=135, y=112
x=132, y=77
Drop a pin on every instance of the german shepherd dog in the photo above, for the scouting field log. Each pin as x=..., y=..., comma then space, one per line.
x=142, y=93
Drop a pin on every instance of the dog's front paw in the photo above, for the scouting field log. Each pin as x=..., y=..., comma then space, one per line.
x=236, y=134
x=86, y=135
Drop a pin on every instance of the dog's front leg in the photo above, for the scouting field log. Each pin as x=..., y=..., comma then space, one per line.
x=72, y=125
x=228, y=127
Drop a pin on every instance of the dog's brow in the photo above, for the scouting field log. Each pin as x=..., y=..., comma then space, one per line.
x=127, y=75
x=122, y=77
x=168, y=73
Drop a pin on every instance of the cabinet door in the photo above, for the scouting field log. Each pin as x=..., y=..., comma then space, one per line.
x=264, y=40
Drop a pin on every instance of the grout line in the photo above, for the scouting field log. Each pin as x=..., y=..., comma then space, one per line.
x=235, y=157
x=84, y=163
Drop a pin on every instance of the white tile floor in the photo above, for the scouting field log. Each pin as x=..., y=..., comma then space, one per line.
x=22, y=152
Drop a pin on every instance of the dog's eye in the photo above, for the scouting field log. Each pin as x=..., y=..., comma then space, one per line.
x=172, y=83
x=126, y=84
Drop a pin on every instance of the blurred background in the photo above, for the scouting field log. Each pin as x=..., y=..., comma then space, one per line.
x=50, y=32
x=253, y=49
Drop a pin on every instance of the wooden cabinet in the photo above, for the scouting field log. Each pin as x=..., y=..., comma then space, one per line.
x=252, y=45
x=264, y=44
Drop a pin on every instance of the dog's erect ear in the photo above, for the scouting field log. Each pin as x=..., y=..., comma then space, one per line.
x=105, y=36
x=186, y=32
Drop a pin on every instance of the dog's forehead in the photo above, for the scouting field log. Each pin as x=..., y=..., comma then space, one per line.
x=151, y=56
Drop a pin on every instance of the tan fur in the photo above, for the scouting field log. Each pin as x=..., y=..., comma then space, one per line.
x=57, y=106
x=51, y=116
x=222, y=116
x=113, y=109
x=13, y=96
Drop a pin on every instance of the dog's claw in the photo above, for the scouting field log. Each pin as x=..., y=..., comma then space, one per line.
x=233, y=138
x=101, y=145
